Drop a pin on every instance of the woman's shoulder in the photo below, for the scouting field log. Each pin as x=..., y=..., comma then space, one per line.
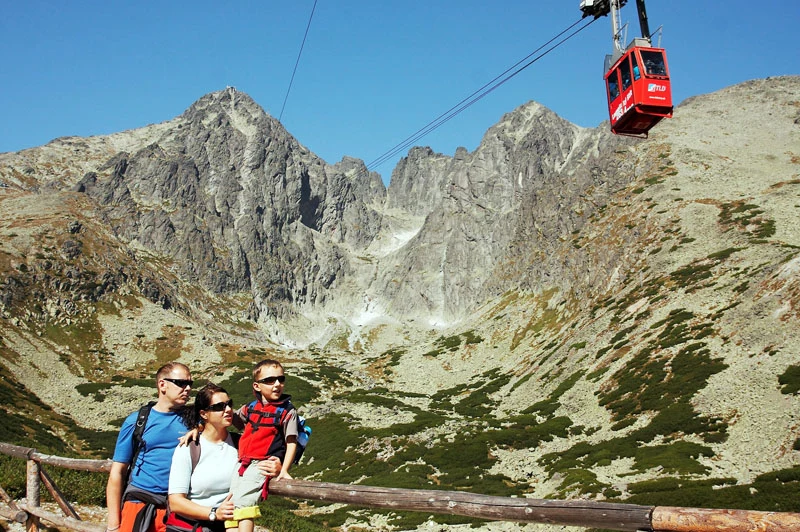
x=233, y=439
x=183, y=450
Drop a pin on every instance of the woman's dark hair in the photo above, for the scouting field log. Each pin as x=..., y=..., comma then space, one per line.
x=203, y=400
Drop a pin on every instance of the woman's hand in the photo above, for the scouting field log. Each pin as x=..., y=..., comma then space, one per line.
x=271, y=467
x=283, y=474
x=225, y=509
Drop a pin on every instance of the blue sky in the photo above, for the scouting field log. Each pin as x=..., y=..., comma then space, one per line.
x=371, y=73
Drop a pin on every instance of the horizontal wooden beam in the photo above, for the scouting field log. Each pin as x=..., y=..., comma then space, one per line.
x=670, y=519
x=13, y=514
x=587, y=514
x=591, y=514
x=79, y=464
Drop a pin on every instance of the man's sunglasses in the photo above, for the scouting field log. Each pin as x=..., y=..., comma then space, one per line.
x=180, y=383
x=221, y=406
x=272, y=380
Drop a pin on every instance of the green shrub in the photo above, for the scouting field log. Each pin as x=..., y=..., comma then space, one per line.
x=277, y=516
x=471, y=337
x=548, y=406
x=778, y=491
x=790, y=380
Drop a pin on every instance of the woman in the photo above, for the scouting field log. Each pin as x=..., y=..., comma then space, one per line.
x=198, y=496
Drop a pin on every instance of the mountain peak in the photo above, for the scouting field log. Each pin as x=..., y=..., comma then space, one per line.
x=233, y=107
x=229, y=96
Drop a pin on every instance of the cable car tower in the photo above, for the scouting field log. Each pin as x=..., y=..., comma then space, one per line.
x=637, y=78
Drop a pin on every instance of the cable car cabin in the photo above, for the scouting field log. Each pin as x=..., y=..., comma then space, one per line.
x=639, y=93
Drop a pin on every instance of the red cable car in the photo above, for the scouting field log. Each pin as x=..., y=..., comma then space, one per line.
x=637, y=78
x=639, y=93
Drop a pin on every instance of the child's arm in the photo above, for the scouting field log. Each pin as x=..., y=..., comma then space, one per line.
x=291, y=450
x=239, y=417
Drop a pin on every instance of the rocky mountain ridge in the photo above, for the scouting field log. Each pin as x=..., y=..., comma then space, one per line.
x=266, y=204
x=599, y=313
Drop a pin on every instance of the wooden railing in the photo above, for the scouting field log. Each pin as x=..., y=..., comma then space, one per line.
x=588, y=514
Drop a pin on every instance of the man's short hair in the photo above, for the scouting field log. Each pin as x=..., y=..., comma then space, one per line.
x=167, y=368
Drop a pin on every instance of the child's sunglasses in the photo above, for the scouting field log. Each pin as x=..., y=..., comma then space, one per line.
x=272, y=380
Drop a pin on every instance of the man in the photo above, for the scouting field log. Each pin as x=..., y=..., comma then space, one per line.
x=140, y=506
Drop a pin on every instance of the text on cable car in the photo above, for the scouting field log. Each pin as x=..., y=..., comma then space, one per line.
x=623, y=107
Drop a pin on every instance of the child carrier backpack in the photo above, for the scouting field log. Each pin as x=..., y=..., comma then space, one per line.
x=303, y=430
x=303, y=435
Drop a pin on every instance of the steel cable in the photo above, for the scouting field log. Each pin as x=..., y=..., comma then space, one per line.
x=477, y=95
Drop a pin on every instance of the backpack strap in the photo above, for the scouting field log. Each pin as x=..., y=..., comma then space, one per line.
x=194, y=448
x=138, y=442
x=194, y=452
x=259, y=418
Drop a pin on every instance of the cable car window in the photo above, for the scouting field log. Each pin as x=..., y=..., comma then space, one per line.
x=625, y=74
x=654, y=63
x=636, y=74
x=613, y=86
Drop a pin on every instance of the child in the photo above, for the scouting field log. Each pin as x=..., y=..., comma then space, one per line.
x=270, y=429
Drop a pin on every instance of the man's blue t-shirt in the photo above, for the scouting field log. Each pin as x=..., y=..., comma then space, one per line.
x=161, y=433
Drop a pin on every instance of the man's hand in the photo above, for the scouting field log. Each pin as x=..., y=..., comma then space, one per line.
x=190, y=436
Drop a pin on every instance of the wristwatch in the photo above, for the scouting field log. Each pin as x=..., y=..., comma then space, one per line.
x=213, y=515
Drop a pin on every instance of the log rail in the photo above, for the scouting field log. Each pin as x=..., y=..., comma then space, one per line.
x=581, y=513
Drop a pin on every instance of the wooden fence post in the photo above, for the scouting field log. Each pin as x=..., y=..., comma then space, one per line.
x=32, y=494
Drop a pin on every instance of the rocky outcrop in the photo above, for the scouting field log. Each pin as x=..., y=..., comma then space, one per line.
x=226, y=194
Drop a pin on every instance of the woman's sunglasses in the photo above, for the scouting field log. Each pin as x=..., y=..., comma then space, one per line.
x=221, y=406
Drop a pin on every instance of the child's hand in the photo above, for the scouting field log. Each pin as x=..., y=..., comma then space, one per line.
x=284, y=474
x=190, y=436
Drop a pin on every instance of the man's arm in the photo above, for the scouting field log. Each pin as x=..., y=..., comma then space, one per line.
x=114, y=487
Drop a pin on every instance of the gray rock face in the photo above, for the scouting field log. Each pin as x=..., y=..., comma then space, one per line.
x=227, y=195
x=489, y=212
